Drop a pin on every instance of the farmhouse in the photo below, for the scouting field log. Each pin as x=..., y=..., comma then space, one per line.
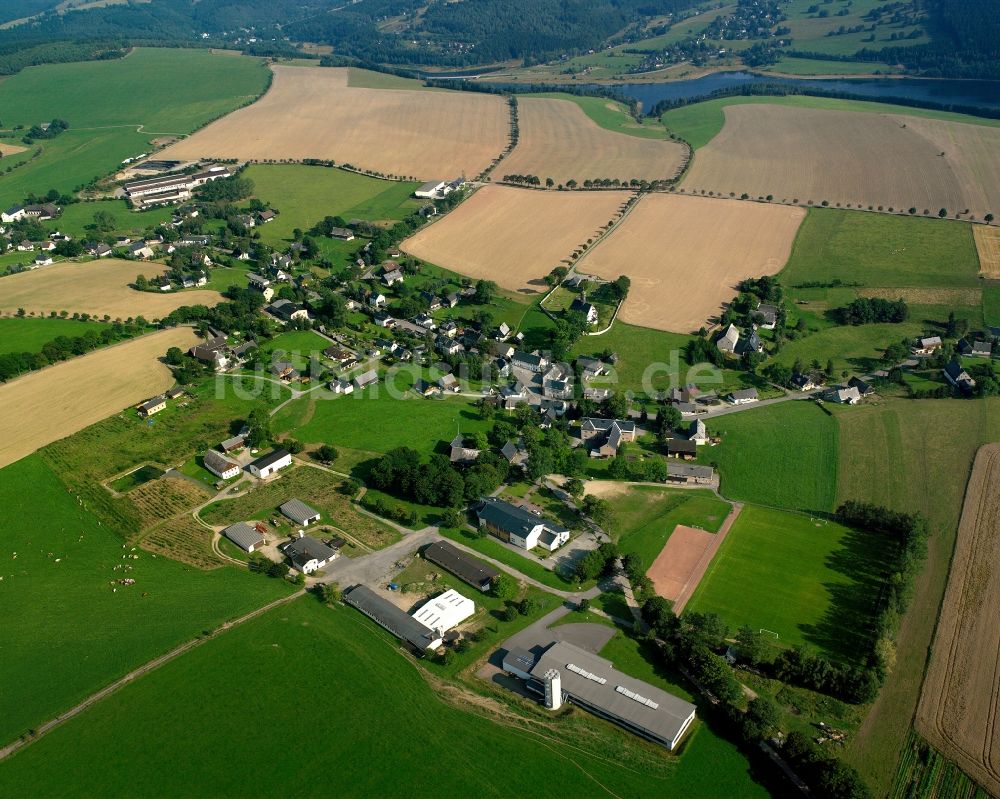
x=101, y=250
x=958, y=377
x=396, y=621
x=392, y=277
x=531, y=361
x=864, y=389
x=605, y=436
x=975, y=349
x=463, y=566
x=518, y=526
x=434, y=190
x=339, y=386
x=307, y=554
x=342, y=233
x=743, y=397
x=802, y=382
x=299, y=512
x=766, y=315
x=366, y=379
x=245, y=536
x=271, y=463
x=844, y=396
x=565, y=671
x=445, y=612
x=927, y=346
x=287, y=311
x=690, y=474
x=155, y=405
x=43, y=260
x=220, y=465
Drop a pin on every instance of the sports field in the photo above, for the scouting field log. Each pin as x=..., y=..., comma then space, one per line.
x=957, y=711
x=128, y=745
x=809, y=580
x=312, y=112
x=116, y=107
x=59, y=565
x=814, y=156
x=988, y=247
x=685, y=255
x=515, y=236
x=677, y=564
x=95, y=287
x=559, y=141
x=304, y=195
x=72, y=395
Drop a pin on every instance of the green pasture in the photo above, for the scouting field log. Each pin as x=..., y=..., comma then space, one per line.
x=21, y=334
x=610, y=115
x=809, y=580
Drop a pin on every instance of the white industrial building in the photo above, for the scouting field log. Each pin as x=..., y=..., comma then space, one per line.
x=445, y=612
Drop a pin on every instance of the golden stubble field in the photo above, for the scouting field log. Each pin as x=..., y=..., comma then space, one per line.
x=515, y=236
x=559, y=141
x=685, y=255
x=988, y=247
x=958, y=711
x=311, y=112
x=56, y=402
x=851, y=158
x=95, y=287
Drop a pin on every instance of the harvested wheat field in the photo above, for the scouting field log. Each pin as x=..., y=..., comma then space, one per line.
x=685, y=255
x=958, y=711
x=559, y=141
x=988, y=247
x=311, y=112
x=927, y=296
x=45, y=406
x=97, y=288
x=851, y=158
x=515, y=236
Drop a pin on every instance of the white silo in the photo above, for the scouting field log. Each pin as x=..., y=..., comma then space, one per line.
x=553, y=689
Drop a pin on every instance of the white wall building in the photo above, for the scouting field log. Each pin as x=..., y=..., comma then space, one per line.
x=445, y=612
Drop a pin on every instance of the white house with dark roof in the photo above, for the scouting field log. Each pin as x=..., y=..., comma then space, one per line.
x=518, y=526
x=270, y=464
x=219, y=465
x=743, y=396
x=958, y=377
x=308, y=555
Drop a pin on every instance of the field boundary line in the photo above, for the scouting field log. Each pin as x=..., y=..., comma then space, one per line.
x=136, y=673
x=694, y=580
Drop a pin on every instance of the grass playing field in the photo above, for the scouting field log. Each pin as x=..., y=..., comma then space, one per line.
x=809, y=580
x=67, y=630
x=304, y=195
x=646, y=516
x=159, y=91
x=794, y=468
x=129, y=745
x=21, y=334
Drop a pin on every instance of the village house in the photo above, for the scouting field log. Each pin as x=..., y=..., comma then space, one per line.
x=697, y=432
x=743, y=396
x=844, y=396
x=308, y=555
x=101, y=250
x=393, y=277
x=339, y=386
x=449, y=383
x=287, y=311
x=864, y=389
x=515, y=452
x=928, y=345
x=212, y=353
x=43, y=260
x=265, y=216
x=220, y=465
x=802, y=382
x=604, y=437
x=518, y=526
x=682, y=448
x=958, y=377
x=366, y=379
x=531, y=361
x=766, y=315
x=975, y=349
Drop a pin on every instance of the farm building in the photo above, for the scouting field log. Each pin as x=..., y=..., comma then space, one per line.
x=690, y=474
x=432, y=190
x=266, y=465
x=171, y=188
x=743, y=396
x=155, y=405
x=465, y=567
x=299, y=512
x=591, y=682
x=396, y=621
x=221, y=466
x=682, y=448
x=445, y=612
x=233, y=444
x=518, y=526
x=245, y=536
x=307, y=554
x=697, y=432
x=366, y=379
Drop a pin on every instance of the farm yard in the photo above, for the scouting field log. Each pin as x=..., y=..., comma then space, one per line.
x=64, y=554
x=808, y=155
x=311, y=112
x=559, y=141
x=957, y=711
x=95, y=287
x=72, y=395
x=515, y=236
x=685, y=255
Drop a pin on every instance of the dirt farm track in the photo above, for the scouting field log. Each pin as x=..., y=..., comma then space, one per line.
x=959, y=711
x=53, y=403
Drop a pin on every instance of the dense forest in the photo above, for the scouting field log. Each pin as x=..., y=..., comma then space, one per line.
x=966, y=33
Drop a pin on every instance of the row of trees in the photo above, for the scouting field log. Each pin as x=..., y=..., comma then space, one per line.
x=870, y=310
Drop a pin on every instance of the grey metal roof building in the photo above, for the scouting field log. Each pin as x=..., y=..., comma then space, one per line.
x=244, y=536
x=463, y=566
x=396, y=621
x=593, y=683
x=299, y=512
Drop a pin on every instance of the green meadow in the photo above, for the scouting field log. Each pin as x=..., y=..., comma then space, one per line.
x=304, y=195
x=28, y=335
x=809, y=580
x=646, y=516
x=370, y=701
x=69, y=629
x=782, y=455
x=115, y=108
